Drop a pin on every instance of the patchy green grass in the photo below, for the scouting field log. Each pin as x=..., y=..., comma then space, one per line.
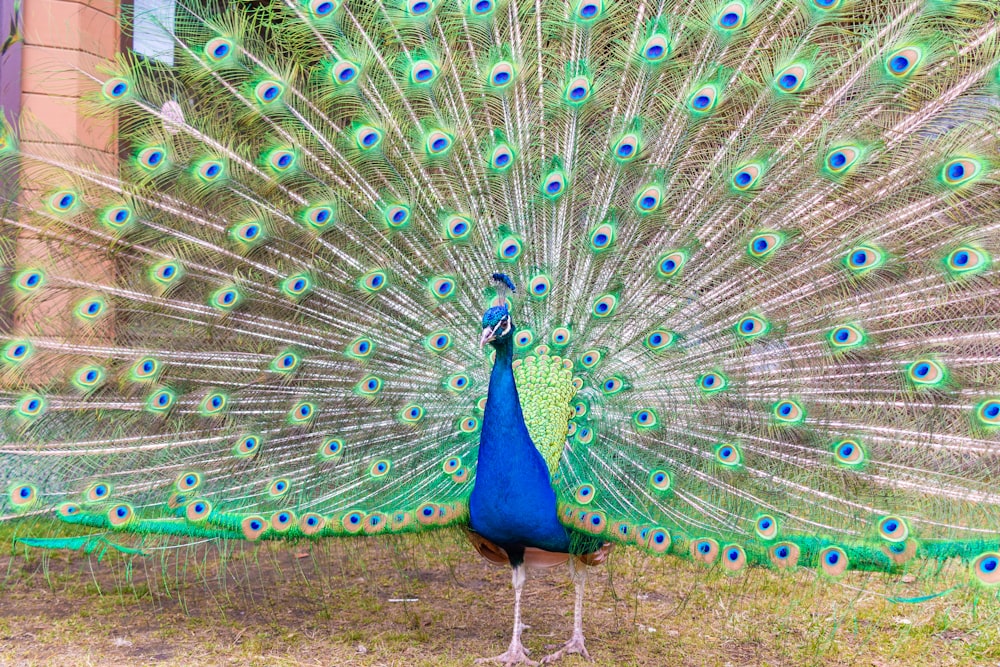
x=430, y=600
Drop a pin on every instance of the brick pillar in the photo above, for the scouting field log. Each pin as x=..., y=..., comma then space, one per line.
x=63, y=39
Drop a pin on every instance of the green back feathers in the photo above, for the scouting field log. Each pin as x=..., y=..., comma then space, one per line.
x=545, y=387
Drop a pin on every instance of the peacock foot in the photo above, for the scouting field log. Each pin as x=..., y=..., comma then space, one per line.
x=574, y=645
x=516, y=654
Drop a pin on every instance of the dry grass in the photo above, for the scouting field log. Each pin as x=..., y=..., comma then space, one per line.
x=429, y=600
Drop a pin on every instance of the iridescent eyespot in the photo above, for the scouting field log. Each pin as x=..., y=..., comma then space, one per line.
x=161, y=401
x=442, y=288
x=17, y=352
x=656, y=49
x=187, y=481
x=451, y=465
x=287, y=361
x=766, y=527
x=791, y=79
x=370, y=385
x=584, y=493
x=152, y=158
x=966, y=260
x=833, y=561
x=704, y=550
x=657, y=540
x=268, y=91
x=361, y=348
x=752, y=326
x=63, y=201
x=89, y=377
x=602, y=237
x=302, y=413
x=826, y=5
x=368, y=137
x=784, y=555
x=323, y=8
x=788, y=412
x=580, y=409
x=373, y=281
x=480, y=8
x=282, y=521
x=502, y=157
x=213, y=404
x=670, y=264
x=988, y=412
x=864, y=258
x=281, y=160
x=539, y=286
x=734, y=558
x=457, y=227
x=218, y=49
x=604, y=306
x=627, y=148
x=845, y=337
x=589, y=10
x=849, y=452
x=439, y=341
x=344, y=72
x=893, y=529
x=523, y=338
x=710, y=383
x=397, y=216
x=332, y=448
x=660, y=480
x=297, y=286
x=419, y=7
x=731, y=17
x=31, y=406
x=438, y=143
x=728, y=454
x=210, y=171
x=703, y=100
x=746, y=177
x=840, y=160
x=22, y=496
x=509, y=249
x=764, y=244
x=584, y=436
x=146, y=368
x=926, y=373
x=986, y=568
x=903, y=62
x=226, y=299
x=612, y=385
x=554, y=184
x=29, y=280
x=468, y=425
x=97, y=492
x=590, y=358
x=645, y=418
x=501, y=75
x=960, y=171
x=247, y=445
x=457, y=382
x=647, y=200
x=115, y=89
x=247, y=233
x=577, y=90
x=120, y=515
x=278, y=488
x=318, y=217
x=411, y=414
x=380, y=468
x=253, y=527
x=561, y=336
x=311, y=523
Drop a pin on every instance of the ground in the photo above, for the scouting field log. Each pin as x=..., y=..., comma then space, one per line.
x=430, y=600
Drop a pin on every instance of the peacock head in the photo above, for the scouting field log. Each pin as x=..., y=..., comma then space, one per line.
x=498, y=325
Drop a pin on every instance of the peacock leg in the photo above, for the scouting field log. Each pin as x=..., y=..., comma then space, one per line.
x=516, y=654
x=578, y=573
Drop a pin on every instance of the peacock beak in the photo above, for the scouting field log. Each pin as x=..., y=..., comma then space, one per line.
x=489, y=333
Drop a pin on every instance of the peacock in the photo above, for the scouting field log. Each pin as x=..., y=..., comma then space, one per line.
x=708, y=278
